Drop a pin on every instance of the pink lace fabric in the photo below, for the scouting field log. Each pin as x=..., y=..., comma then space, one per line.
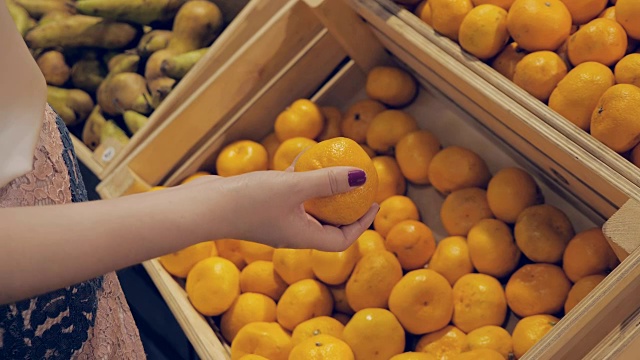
x=114, y=334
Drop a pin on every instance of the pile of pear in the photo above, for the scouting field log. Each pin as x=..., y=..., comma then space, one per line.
x=110, y=63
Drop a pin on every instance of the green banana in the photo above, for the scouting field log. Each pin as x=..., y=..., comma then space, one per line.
x=93, y=128
x=111, y=130
x=72, y=105
x=134, y=120
x=142, y=12
x=87, y=74
x=80, y=31
x=177, y=66
x=21, y=17
x=153, y=41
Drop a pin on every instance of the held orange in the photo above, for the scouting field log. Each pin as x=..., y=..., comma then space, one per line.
x=422, y=301
x=392, y=86
x=614, y=121
x=241, y=157
x=577, y=94
x=302, y=118
x=539, y=24
x=483, y=31
x=601, y=40
x=345, y=208
x=447, y=15
x=414, y=152
x=412, y=242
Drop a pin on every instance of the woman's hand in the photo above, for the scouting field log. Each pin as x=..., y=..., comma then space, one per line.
x=267, y=207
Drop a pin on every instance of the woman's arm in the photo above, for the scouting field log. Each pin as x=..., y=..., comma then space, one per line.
x=49, y=247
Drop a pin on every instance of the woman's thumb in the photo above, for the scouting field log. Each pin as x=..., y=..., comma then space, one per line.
x=330, y=181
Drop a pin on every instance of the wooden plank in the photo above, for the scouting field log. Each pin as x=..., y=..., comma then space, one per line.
x=121, y=182
x=618, y=163
x=300, y=78
x=247, y=71
x=623, y=343
x=85, y=155
x=345, y=25
x=623, y=229
x=197, y=329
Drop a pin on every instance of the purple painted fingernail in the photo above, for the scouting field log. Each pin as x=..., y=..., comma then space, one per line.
x=357, y=178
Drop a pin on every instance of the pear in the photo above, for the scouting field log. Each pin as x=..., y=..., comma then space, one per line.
x=196, y=25
x=134, y=120
x=53, y=17
x=111, y=130
x=176, y=67
x=38, y=8
x=160, y=89
x=20, y=17
x=141, y=12
x=54, y=67
x=72, y=105
x=82, y=31
x=153, y=41
x=87, y=74
x=93, y=128
x=122, y=92
x=125, y=62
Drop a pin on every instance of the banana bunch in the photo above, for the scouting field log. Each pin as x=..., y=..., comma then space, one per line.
x=110, y=63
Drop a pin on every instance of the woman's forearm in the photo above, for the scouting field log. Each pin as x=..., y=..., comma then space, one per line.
x=48, y=247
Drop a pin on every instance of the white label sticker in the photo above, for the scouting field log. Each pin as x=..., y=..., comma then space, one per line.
x=108, y=154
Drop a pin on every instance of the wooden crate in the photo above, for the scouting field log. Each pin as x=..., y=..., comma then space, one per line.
x=244, y=19
x=460, y=108
x=381, y=10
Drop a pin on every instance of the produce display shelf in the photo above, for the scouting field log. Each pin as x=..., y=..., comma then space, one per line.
x=456, y=104
x=242, y=18
x=381, y=10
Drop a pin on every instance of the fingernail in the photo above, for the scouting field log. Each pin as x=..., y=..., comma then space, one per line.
x=357, y=178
